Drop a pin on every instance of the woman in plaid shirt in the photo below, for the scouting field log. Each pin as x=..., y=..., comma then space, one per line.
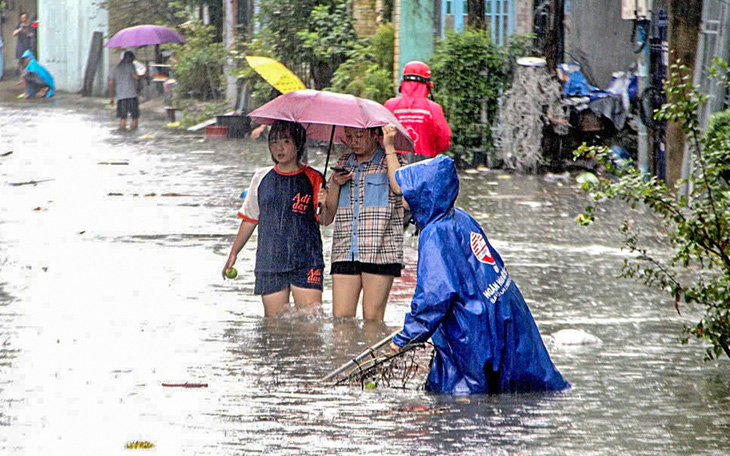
x=367, y=246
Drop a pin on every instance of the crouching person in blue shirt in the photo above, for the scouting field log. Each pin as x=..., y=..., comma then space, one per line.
x=485, y=338
x=35, y=79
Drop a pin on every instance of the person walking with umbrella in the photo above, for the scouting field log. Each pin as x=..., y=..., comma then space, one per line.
x=124, y=80
x=281, y=201
x=367, y=246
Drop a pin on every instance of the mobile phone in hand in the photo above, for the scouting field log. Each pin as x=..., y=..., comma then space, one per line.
x=340, y=170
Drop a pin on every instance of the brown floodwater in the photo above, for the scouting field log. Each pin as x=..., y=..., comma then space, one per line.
x=111, y=247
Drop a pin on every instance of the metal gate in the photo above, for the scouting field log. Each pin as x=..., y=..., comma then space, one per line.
x=499, y=18
x=714, y=42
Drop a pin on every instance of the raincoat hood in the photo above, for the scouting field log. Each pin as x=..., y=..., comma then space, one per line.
x=35, y=67
x=414, y=89
x=430, y=188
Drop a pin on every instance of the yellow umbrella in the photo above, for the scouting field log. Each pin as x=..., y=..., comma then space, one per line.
x=275, y=74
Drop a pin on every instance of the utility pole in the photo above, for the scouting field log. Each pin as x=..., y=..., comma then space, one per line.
x=685, y=17
x=229, y=37
x=642, y=26
x=555, y=39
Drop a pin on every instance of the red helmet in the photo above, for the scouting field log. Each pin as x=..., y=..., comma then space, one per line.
x=418, y=72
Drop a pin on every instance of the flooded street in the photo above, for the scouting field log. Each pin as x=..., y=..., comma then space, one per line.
x=110, y=286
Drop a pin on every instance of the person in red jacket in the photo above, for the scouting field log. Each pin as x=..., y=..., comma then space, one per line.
x=423, y=118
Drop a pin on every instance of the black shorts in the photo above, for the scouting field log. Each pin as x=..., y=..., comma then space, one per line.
x=271, y=282
x=356, y=268
x=34, y=82
x=127, y=106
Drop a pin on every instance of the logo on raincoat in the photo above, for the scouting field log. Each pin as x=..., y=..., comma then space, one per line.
x=480, y=249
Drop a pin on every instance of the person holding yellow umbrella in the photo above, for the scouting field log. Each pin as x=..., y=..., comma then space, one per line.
x=281, y=78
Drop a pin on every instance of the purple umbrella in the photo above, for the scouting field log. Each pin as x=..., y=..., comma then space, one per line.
x=143, y=35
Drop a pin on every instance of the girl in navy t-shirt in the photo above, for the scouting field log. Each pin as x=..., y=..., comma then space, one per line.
x=282, y=201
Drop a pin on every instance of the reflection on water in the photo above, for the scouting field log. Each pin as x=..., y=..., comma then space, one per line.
x=110, y=286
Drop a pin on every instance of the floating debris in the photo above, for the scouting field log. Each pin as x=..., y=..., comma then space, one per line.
x=554, y=177
x=534, y=204
x=587, y=178
x=566, y=337
x=33, y=182
x=139, y=445
x=185, y=385
x=422, y=409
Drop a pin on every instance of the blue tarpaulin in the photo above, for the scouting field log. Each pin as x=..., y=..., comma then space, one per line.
x=465, y=300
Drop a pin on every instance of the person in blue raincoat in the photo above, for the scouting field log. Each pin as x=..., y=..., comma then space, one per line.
x=35, y=77
x=485, y=338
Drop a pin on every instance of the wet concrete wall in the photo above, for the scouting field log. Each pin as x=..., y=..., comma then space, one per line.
x=65, y=38
x=598, y=39
x=414, y=34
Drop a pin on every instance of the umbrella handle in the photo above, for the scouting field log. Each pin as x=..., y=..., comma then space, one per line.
x=326, y=163
x=329, y=150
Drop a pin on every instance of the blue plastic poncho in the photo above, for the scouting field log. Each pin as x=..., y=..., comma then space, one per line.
x=35, y=67
x=485, y=337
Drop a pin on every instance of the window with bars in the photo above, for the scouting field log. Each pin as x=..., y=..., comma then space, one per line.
x=500, y=17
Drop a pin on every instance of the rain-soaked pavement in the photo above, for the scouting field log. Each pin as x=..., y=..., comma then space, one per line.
x=110, y=286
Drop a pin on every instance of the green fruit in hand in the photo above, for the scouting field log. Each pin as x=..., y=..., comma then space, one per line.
x=231, y=273
x=370, y=386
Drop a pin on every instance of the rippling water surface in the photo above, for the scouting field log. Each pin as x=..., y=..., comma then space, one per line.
x=110, y=286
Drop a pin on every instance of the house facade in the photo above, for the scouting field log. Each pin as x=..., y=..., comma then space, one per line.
x=64, y=32
x=503, y=17
x=420, y=23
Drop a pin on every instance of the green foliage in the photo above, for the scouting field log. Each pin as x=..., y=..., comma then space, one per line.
x=314, y=33
x=281, y=21
x=469, y=74
x=719, y=126
x=699, y=225
x=260, y=91
x=330, y=35
x=198, y=64
x=368, y=70
x=128, y=13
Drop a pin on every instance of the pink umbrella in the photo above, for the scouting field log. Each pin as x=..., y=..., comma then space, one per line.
x=143, y=35
x=325, y=114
